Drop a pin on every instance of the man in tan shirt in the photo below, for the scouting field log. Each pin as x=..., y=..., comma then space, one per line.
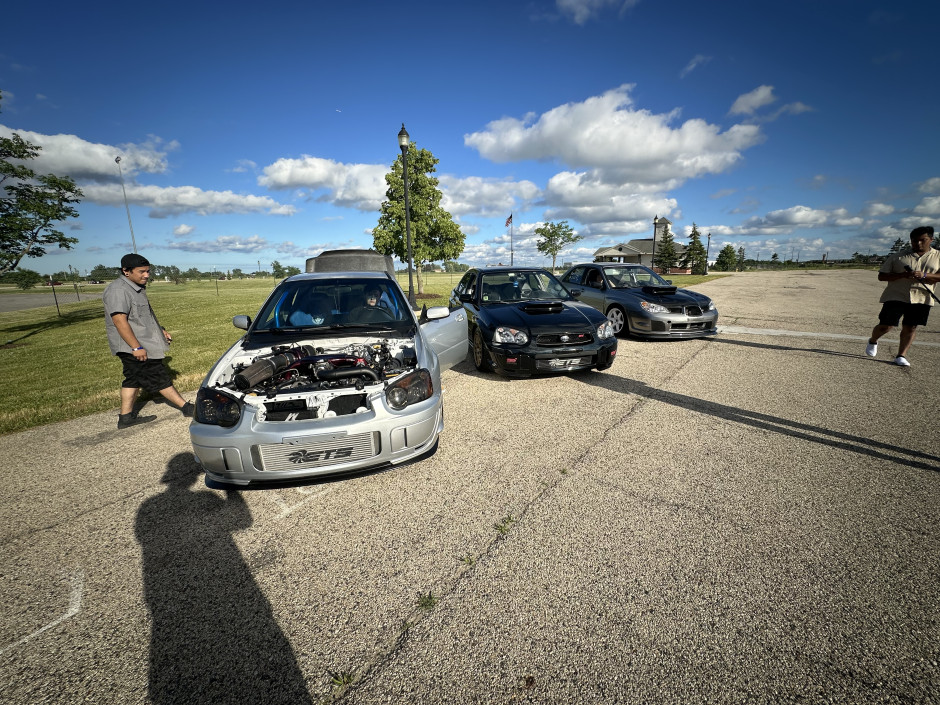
x=911, y=275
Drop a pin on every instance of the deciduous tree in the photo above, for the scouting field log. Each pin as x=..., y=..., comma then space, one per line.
x=31, y=204
x=434, y=234
x=727, y=259
x=553, y=238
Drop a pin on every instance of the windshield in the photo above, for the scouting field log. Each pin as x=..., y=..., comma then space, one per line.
x=323, y=305
x=522, y=285
x=631, y=277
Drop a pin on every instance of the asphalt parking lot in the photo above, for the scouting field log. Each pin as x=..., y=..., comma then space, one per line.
x=749, y=518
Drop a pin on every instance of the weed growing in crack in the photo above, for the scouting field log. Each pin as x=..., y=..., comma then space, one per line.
x=468, y=560
x=427, y=602
x=340, y=678
x=504, y=524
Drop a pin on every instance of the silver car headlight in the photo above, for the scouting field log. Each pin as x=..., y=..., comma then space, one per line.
x=653, y=308
x=710, y=306
x=605, y=330
x=216, y=408
x=504, y=334
x=410, y=389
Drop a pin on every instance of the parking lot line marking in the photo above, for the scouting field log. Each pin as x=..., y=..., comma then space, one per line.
x=77, y=586
x=742, y=330
x=310, y=493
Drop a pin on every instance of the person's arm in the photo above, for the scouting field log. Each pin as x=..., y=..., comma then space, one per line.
x=892, y=276
x=127, y=334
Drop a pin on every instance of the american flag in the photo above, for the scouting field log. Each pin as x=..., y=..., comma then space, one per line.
x=509, y=220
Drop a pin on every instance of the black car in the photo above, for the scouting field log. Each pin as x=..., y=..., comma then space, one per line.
x=638, y=301
x=522, y=321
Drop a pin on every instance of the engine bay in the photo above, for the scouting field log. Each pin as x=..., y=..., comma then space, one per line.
x=303, y=381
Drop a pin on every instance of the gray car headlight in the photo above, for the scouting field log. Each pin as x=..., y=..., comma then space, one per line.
x=605, y=330
x=217, y=408
x=410, y=389
x=504, y=334
x=653, y=308
x=710, y=306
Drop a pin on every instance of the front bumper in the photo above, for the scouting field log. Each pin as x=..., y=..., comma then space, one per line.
x=276, y=451
x=526, y=361
x=673, y=326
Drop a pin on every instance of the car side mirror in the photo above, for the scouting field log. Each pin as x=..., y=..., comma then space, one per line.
x=576, y=292
x=669, y=281
x=242, y=322
x=466, y=298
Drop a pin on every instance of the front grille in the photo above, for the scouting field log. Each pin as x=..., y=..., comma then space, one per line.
x=693, y=310
x=279, y=457
x=564, y=363
x=554, y=340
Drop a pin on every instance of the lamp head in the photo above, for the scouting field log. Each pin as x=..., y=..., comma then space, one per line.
x=403, y=138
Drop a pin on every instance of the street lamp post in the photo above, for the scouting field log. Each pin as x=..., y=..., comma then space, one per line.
x=117, y=160
x=708, y=248
x=403, y=141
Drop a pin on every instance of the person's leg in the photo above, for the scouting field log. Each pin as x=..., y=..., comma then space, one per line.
x=908, y=333
x=172, y=396
x=878, y=331
x=128, y=396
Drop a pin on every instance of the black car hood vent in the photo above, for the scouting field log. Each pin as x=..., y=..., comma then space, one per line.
x=536, y=308
x=660, y=290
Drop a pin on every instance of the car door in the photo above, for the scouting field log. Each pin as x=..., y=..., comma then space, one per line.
x=447, y=336
x=592, y=295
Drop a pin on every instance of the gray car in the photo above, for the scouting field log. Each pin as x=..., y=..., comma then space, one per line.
x=638, y=301
x=335, y=374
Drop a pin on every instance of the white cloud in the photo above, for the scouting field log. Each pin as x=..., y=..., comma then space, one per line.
x=877, y=209
x=749, y=103
x=931, y=185
x=359, y=186
x=928, y=206
x=485, y=197
x=70, y=155
x=697, y=60
x=183, y=230
x=618, y=142
x=183, y=199
x=580, y=11
x=226, y=244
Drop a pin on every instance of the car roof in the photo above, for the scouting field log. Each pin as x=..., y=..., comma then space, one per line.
x=339, y=275
x=507, y=268
x=351, y=261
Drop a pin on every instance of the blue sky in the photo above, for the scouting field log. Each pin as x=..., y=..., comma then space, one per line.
x=251, y=133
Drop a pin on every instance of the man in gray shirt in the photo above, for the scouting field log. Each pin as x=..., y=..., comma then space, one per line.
x=138, y=339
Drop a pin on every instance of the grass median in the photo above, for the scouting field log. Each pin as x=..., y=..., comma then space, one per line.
x=57, y=365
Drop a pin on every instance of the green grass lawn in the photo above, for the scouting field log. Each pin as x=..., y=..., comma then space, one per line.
x=59, y=367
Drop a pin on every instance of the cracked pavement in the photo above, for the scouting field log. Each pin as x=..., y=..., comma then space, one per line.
x=749, y=518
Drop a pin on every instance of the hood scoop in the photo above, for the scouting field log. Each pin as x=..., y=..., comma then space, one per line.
x=660, y=290
x=541, y=308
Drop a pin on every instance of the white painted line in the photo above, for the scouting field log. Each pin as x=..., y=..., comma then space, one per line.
x=741, y=330
x=77, y=583
x=310, y=493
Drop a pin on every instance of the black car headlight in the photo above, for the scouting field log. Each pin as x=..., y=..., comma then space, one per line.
x=410, y=389
x=217, y=408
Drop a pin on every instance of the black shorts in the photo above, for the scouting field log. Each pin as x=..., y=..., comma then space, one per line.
x=914, y=314
x=152, y=375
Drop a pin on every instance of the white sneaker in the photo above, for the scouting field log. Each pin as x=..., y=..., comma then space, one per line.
x=902, y=361
x=871, y=349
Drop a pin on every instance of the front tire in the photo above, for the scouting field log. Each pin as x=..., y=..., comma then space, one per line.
x=616, y=318
x=481, y=356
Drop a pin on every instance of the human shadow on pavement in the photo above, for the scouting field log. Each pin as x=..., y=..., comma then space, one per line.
x=213, y=634
x=767, y=422
x=790, y=348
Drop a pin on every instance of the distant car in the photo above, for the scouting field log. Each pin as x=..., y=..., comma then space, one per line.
x=51, y=282
x=322, y=382
x=95, y=281
x=638, y=301
x=522, y=321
